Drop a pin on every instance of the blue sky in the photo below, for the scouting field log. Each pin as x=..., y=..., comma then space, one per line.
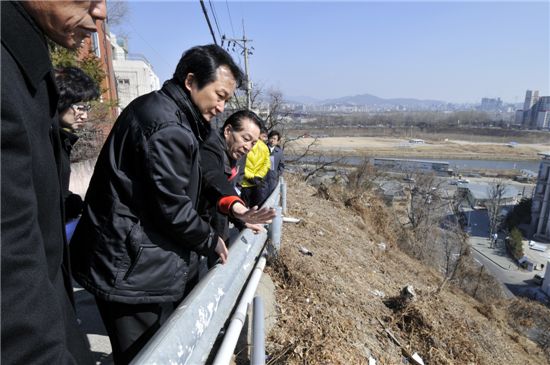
x=442, y=50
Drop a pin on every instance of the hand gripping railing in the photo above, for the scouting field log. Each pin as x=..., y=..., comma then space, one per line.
x=189, y=334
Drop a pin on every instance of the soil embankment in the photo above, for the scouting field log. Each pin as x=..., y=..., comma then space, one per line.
x=334, y=306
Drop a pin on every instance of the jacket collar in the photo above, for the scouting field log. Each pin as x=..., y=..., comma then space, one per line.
x=228, y=162
x=200, y=127
x=26, y=42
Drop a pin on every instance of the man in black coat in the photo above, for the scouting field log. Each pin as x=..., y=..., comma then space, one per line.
x=138, y=242
x=38, y=321
x=220, y=156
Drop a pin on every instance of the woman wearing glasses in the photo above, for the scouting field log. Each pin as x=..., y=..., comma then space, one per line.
x=76, y=89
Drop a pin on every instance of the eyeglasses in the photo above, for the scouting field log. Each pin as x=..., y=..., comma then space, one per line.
x=81, y=108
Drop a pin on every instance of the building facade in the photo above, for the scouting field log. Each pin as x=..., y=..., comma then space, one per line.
x=133, y=73
x=540, y=208
x=99, y=45
x=535, y=113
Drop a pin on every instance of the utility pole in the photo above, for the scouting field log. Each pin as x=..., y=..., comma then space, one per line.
x=242, y=43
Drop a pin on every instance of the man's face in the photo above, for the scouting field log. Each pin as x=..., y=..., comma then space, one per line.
x=239, y=143
x=263, y=137
x=274, y=140
x=211, y=99
x=67, y=23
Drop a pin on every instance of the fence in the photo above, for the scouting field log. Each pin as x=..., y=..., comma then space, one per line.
x=190, y=333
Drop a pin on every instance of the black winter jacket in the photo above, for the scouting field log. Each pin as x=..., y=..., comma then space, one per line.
x=38, y=322
x=140, y=233
x=220, y=175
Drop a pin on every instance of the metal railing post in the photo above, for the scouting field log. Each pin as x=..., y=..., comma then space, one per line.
x=258, y=332
x=283, y=194
x=275, y=232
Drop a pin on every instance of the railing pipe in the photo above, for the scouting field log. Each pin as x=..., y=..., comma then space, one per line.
x=258, y=332
x=223, y=357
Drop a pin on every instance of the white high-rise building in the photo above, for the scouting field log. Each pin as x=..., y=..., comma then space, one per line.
x=133, y=73
x=531, y=97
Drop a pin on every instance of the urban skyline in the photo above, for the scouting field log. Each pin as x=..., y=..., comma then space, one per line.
x=451, y=51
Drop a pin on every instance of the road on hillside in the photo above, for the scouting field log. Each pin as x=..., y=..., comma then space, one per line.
x=516, y=282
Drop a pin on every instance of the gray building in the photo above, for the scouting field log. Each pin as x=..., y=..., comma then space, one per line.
x=540, y=209
x=535, y=113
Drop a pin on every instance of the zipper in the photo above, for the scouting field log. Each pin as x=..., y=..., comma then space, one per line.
x=132, y=267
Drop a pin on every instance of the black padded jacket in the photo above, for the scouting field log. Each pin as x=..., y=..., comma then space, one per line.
x=140, y=235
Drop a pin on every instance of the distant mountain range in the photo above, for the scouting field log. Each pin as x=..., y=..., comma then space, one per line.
x=366, y=99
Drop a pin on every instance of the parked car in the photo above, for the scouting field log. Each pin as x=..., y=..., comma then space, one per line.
x=538, y=279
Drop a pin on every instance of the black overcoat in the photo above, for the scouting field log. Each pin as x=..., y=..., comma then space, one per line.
x=38, y=321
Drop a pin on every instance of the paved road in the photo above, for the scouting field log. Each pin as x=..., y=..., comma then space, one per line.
x=515, y=280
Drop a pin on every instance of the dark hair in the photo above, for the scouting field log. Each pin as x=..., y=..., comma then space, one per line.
x=235, y=120
x=203, y=61
x=274, y=133
x=74, y=86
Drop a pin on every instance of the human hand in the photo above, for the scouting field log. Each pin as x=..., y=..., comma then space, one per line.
x=256, y=228
x=221, y=250
x=253, y=215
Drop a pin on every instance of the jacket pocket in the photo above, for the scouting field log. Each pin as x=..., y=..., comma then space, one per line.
x=152, y=268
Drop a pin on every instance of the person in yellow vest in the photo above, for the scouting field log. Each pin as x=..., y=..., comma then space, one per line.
x=255, y=187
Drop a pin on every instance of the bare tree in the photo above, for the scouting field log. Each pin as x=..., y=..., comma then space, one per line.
x=276, y=116
x=117, y=12
x=455, y=248
x=495, y=197
x=424, y=201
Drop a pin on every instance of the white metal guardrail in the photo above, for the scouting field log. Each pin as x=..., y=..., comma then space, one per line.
x=189, y=334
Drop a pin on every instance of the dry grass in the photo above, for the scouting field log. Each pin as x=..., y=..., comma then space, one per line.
x=392, y=147
x=333, y=305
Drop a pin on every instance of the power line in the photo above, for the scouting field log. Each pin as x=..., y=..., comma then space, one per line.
x=208, y=21
x=230, y=20
x=246, y=51
x=215, y=17
x=148, y=44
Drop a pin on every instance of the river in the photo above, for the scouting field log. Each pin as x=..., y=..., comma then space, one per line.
x=456, y=165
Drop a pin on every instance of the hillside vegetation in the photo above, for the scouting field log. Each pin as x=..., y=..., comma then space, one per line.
x=341, y=305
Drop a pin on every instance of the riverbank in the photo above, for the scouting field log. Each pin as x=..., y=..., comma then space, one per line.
x=430, y=149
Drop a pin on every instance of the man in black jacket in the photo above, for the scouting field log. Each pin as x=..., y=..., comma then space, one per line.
x=139, y=239
x=38, y=321
x=220, y=155
x=277, y=160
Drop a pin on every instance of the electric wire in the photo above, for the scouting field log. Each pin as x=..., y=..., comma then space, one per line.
x=208, y=21
x=215, y=18
x=230, y=20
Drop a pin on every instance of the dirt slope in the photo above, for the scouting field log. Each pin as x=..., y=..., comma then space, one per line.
x=334, y=306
